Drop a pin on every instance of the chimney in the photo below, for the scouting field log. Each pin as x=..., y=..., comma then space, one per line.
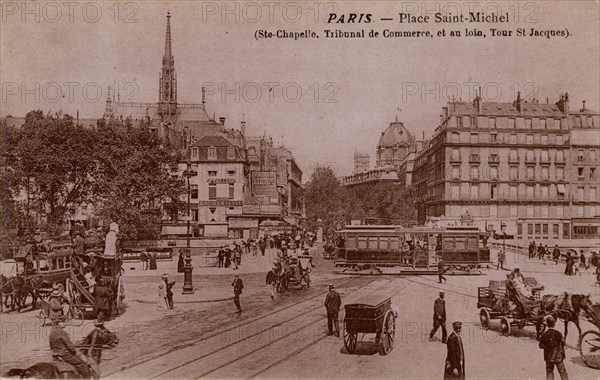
x=243, y=127
x=477, y=101
x=222, y=120
x=583, y=109
x=519, y=102
x=563, y=104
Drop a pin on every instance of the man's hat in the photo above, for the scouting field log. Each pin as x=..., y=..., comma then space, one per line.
x=330, y=286
x=55, y=293
x=165, y=275
x=442, y=293
x=55, y=286
x=457, y=324
x=517, y=270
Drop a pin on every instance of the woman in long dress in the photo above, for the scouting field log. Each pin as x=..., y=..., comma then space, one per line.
x=162, y=297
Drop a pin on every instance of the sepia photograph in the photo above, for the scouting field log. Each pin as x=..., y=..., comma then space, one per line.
x=300, y=189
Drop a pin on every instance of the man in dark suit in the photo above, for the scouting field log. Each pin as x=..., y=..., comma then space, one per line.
x=455, y=360
x=102, y=296
x=439, y=317
x=238, y=285
x=168, y=290
x=332, y=304
x=553, y=344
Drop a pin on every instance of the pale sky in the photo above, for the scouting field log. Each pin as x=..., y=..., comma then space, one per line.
x=53, y=44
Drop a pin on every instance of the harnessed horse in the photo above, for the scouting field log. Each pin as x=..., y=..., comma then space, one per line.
x=567, y=307
x=25, y=286
x=8, y=291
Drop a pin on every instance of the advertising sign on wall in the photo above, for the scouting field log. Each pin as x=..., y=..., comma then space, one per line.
x=264, y=183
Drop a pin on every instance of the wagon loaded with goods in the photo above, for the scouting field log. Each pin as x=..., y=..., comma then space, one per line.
x=589, y=341
x=372, y=314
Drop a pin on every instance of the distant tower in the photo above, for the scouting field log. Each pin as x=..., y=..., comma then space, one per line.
x=167, y=95
x=108, y=111
x=362, y=162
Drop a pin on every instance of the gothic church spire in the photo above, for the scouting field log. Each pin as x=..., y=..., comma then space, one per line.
x=167, y=97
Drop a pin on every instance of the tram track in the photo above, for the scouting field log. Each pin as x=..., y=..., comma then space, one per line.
x=132, y=369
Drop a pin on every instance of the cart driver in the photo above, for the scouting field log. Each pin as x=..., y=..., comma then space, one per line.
x=58, y=302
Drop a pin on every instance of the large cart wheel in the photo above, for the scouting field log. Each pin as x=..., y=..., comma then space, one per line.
x=75, y=316
x=589, y=348
x=350, y=340
x=388, y=333
x=504, y=326
x=120, y=296
x=484, y=318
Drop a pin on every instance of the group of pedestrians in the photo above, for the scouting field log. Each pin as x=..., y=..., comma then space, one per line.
x=228, y=256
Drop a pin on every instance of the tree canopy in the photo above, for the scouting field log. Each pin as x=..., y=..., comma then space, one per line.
x=51, y=165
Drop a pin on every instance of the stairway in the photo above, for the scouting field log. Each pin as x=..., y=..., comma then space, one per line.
x=78, y=279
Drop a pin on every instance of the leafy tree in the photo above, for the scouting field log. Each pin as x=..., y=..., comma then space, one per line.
x=324, y=198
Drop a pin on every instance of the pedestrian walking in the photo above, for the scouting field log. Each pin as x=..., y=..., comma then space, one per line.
x=569, y=264
x=455, y=359
x=238, y=285
x=531, y=249
x=262, y=244
x=168, y=290
x=220, y=256
x=439, y=318
x=556, y=254
x=582, y=260
x=332, y=304
x=180, y=263
x=441, y=271
x=272, y=281
x=541, y=253
x=501, y=258
x=144, y=259
x=162, y=297
x=553, y=344
x=152, y=261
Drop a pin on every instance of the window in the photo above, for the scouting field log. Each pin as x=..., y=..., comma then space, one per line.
x=545, y=229
x=474, y=157
x=455, y=154
x=455, y=191
x=513, y=138
x=580, y=173
x=474, y=191
x=560, y=156
x=230, y=173
x=529, y=139
x=544, y=192
x=493, y=172
x=592, y=194
x=195, y=215
x=474, y=138
x=580, y=156
x=513, y=155
x=212, y=153
x=493, y=137
x=530, y=156
x=459, y=122
x=373, y=243
x=511, y=122
x=212, y=191
x=530, y=192
x=513, y=191
x=543, y=124
x=230, y=153
x=473, y=121
x=545, y=155
x=194, y=192
x=545, y=173
x=456, y=172
x=383, y=243
x=530, y=229
x=514, y=173
x=580, y=193
x=560, y=173
x=555, y=231
x=474, y=172
x=493, y=191
x=593, y=156
x=195, y=153
x=494, y=158
x=231, y=191
x=528, y=124
x=394, y=246
x=455, y=137
x=538, y=229
x=530, y=173
x=559, y=139
x=592, y=173
x=520, y=229
x=492, y=122
x=545, y=139
x=212, y=173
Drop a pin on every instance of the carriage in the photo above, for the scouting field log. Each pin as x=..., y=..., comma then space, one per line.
x=589, y=341
x=372, y=314
x=80, y=289
x=495, y=302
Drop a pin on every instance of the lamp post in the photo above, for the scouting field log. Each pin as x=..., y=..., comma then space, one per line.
x=188, y=287
x=503, y=229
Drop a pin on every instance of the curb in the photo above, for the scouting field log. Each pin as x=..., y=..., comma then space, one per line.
x=197, y=301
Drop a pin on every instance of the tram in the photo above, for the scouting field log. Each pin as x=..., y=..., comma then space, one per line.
x=461, y=248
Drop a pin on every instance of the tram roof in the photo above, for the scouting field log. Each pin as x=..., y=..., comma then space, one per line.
x=412, y=230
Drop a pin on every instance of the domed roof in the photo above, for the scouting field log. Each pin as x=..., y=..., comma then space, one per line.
x=396, y=134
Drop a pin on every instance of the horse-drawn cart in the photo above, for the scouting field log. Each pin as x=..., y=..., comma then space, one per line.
x=370, y=314
x=589, y=341
x=496, y=302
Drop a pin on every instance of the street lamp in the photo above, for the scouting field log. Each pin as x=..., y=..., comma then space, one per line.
x=188, y=287
x=503, y=229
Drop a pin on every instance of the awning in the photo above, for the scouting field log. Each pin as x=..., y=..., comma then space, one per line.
x=291, y=221
x=560, y=188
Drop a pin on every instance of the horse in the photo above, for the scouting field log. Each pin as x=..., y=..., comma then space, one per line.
x=566, y=307
x=25, y=286
x=91, y=347
x=8, y=291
